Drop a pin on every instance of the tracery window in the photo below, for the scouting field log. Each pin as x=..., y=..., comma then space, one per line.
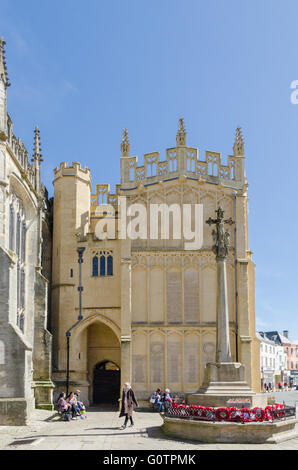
x=11, y=227
x=95, y=266
x=23, y=241
x=17, y=243
x=102, y=263
x=18, y=231
x=110, y=265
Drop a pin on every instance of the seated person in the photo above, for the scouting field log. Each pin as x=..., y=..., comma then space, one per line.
x=157, y=399
x=71, y=399
x=167, y=398
x=63, y=406
x=80, y=405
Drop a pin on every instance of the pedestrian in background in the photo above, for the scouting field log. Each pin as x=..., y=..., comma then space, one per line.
x=127, y=404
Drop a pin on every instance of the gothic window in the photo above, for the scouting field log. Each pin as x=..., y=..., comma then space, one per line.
x=17, y=243
x=95, y=266
x=18, y=287
x=23, y=246
x=18, y=231
x=110, y=265
x=11, y=227
x=22, y=289
x=102, y=265
x=21, y=322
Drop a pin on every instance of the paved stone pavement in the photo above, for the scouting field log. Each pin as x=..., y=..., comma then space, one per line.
x=290, y=398
x=100, y=431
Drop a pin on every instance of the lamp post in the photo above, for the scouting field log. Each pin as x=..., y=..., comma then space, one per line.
x=80, y=251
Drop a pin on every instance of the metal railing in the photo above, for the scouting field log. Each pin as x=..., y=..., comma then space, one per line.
x=237, y=415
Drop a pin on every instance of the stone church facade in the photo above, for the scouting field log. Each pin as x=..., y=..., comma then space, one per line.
x=149, y=305
x=148, y=311
x=25, y=342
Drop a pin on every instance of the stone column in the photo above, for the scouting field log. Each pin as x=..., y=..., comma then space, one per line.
x=223, y=349
x=224, y=381
x=220, y=249
x=126, y=372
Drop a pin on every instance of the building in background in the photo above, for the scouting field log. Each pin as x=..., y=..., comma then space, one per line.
x=291, y=352
x=25, y=343
x=272, y=361
x=149, y=305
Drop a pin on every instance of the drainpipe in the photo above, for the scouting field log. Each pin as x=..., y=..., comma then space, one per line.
x=80, y=251
x=236, y=284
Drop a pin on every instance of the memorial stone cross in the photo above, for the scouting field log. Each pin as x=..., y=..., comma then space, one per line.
x=220, y=248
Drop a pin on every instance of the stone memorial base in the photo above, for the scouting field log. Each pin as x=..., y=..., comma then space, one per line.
x=247, y=433
x=224, y=385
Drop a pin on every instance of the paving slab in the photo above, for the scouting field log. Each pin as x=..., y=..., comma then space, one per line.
x=101, y=431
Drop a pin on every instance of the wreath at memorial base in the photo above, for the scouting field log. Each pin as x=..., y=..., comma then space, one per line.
x=245, y=415
x=233, y=414
x=223, y=414
x=279, y=410
x=269, y=414
x=259, y=414
x=236, y=414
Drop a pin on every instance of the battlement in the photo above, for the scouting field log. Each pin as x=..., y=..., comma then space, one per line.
x=74, y=170
x=183, y=161
x=180, y=161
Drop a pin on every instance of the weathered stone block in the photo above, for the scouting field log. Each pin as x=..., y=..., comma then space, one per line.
x=14, y=412
x=253, y=433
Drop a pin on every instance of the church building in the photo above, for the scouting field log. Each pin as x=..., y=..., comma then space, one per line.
x=148, y=306
x=25, y=270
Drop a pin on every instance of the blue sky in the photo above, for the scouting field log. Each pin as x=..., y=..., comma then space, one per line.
x=83, y=71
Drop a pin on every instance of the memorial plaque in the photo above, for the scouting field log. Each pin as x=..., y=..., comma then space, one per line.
x=239, y=402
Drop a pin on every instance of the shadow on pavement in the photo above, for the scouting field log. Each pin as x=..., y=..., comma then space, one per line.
x=123, y=433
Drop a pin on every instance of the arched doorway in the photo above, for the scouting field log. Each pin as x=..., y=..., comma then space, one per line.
x=104, y=360
x=106, y=383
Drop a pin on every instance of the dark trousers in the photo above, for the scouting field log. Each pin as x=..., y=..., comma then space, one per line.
x=126, y=420
x=73, y=411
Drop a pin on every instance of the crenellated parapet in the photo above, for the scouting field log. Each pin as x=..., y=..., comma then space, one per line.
x=184, y=161
x=74, y=169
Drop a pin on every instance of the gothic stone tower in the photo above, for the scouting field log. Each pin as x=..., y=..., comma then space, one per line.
x=25, y=343
x=149, y=305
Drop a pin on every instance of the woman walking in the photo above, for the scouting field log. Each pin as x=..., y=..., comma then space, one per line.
x=128, y=401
